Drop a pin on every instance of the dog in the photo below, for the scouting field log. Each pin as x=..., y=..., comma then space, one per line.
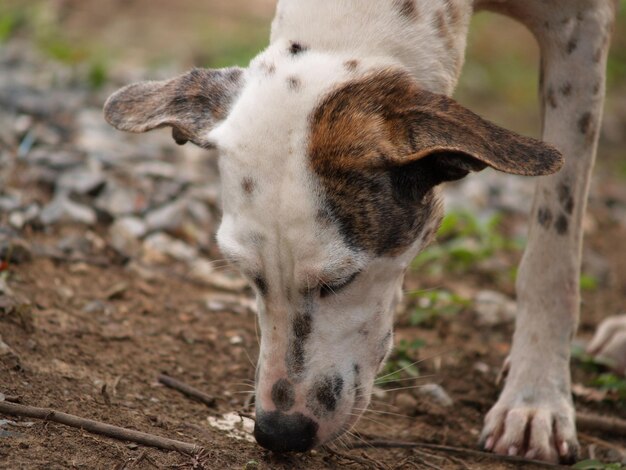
x=333, y=145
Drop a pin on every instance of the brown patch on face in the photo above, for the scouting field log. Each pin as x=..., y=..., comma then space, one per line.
x=190, y=103
x=351, y=65
x=248, y=185
x=407, y=9
x=294, y=83
x=380, y=144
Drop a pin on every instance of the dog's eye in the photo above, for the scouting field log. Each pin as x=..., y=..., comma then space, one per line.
x=331, y=289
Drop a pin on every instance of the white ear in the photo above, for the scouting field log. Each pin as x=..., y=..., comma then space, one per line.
x=191, y=104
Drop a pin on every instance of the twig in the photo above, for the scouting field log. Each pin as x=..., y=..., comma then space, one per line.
x=187, y=390
x=97, y=427
x=589, y=422
x=13, y=398
x=454, y=450
x=602, y=443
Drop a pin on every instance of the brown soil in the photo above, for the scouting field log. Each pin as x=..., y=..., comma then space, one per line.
x=103, y=365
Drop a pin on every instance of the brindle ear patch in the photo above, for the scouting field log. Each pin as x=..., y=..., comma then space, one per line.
x=191, y=104
x=380, y=144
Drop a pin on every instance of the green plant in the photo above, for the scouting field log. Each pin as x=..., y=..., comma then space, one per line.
x=402, y=362
x=465, y=240
x=432, y=304
x=592, y=464
x=612, y=383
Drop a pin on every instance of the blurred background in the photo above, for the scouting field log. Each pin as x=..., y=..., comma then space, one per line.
x=109, y=37
x=106, y=244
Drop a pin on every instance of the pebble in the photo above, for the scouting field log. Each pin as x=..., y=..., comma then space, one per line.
x=494, y=308
x=167, y=217
x=62, y=209
x=436, y=393
x=406, y=403
x=26, y=216
x=14, y=250
x=159, y=246
x=82, y=180
x=126, y=233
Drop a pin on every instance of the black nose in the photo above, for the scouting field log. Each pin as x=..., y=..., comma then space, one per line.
x=282, y=432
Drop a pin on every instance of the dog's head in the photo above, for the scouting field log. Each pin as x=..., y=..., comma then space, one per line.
x=330, y=169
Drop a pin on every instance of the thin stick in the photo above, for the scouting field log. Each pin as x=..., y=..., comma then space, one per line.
x=448, y=449
x=589, y=422
x=97, y=427
x=187, y=390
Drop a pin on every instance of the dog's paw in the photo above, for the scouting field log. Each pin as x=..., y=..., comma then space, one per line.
x=609, y=343
x=532, y=428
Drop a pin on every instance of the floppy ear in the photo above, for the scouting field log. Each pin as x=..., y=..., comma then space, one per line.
x=386, y=121
x=191, y=104
x=441, y=141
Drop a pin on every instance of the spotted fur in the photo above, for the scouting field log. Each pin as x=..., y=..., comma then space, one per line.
x=333, y=143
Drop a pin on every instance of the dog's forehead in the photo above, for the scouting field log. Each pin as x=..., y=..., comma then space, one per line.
x=266, y=176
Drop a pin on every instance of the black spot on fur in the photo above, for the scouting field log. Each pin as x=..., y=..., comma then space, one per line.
x=566, y=89
x=565, y=197
x=323, y=397
x=301, y=330
x=294, y=83
x=584, y=123
x=562, y=224
x=297, y=48
x=261, y=284
x=407, y=9
x=248, y=185
x=572, y=45
x=283, y=395
x=544, y=217
x=551, y=97
x=351, y=65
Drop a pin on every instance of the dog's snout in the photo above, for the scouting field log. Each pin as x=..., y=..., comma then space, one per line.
x=281, y=432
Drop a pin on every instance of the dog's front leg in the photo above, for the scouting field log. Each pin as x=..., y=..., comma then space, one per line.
x=534, y=416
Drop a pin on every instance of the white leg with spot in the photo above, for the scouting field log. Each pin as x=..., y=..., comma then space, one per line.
x=534, y=415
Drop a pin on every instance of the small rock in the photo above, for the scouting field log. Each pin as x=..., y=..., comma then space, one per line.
x=167, y=217
x=82, y=180
x=8, y=357
x=481, y=367
x=157, y=247
x=99, y=307
x=126, y=233
x=14, y=250
x=10, y=202
x=237, y=339
x=120, y=201
x=406, y=403
x=203, y=271
x=494, y=308
x=55, y=159
x=436, y=393
x=26, y=216
x=63, y=209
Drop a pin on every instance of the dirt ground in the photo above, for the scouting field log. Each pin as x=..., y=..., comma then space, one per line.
x=103, y=365
x=90, y=330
